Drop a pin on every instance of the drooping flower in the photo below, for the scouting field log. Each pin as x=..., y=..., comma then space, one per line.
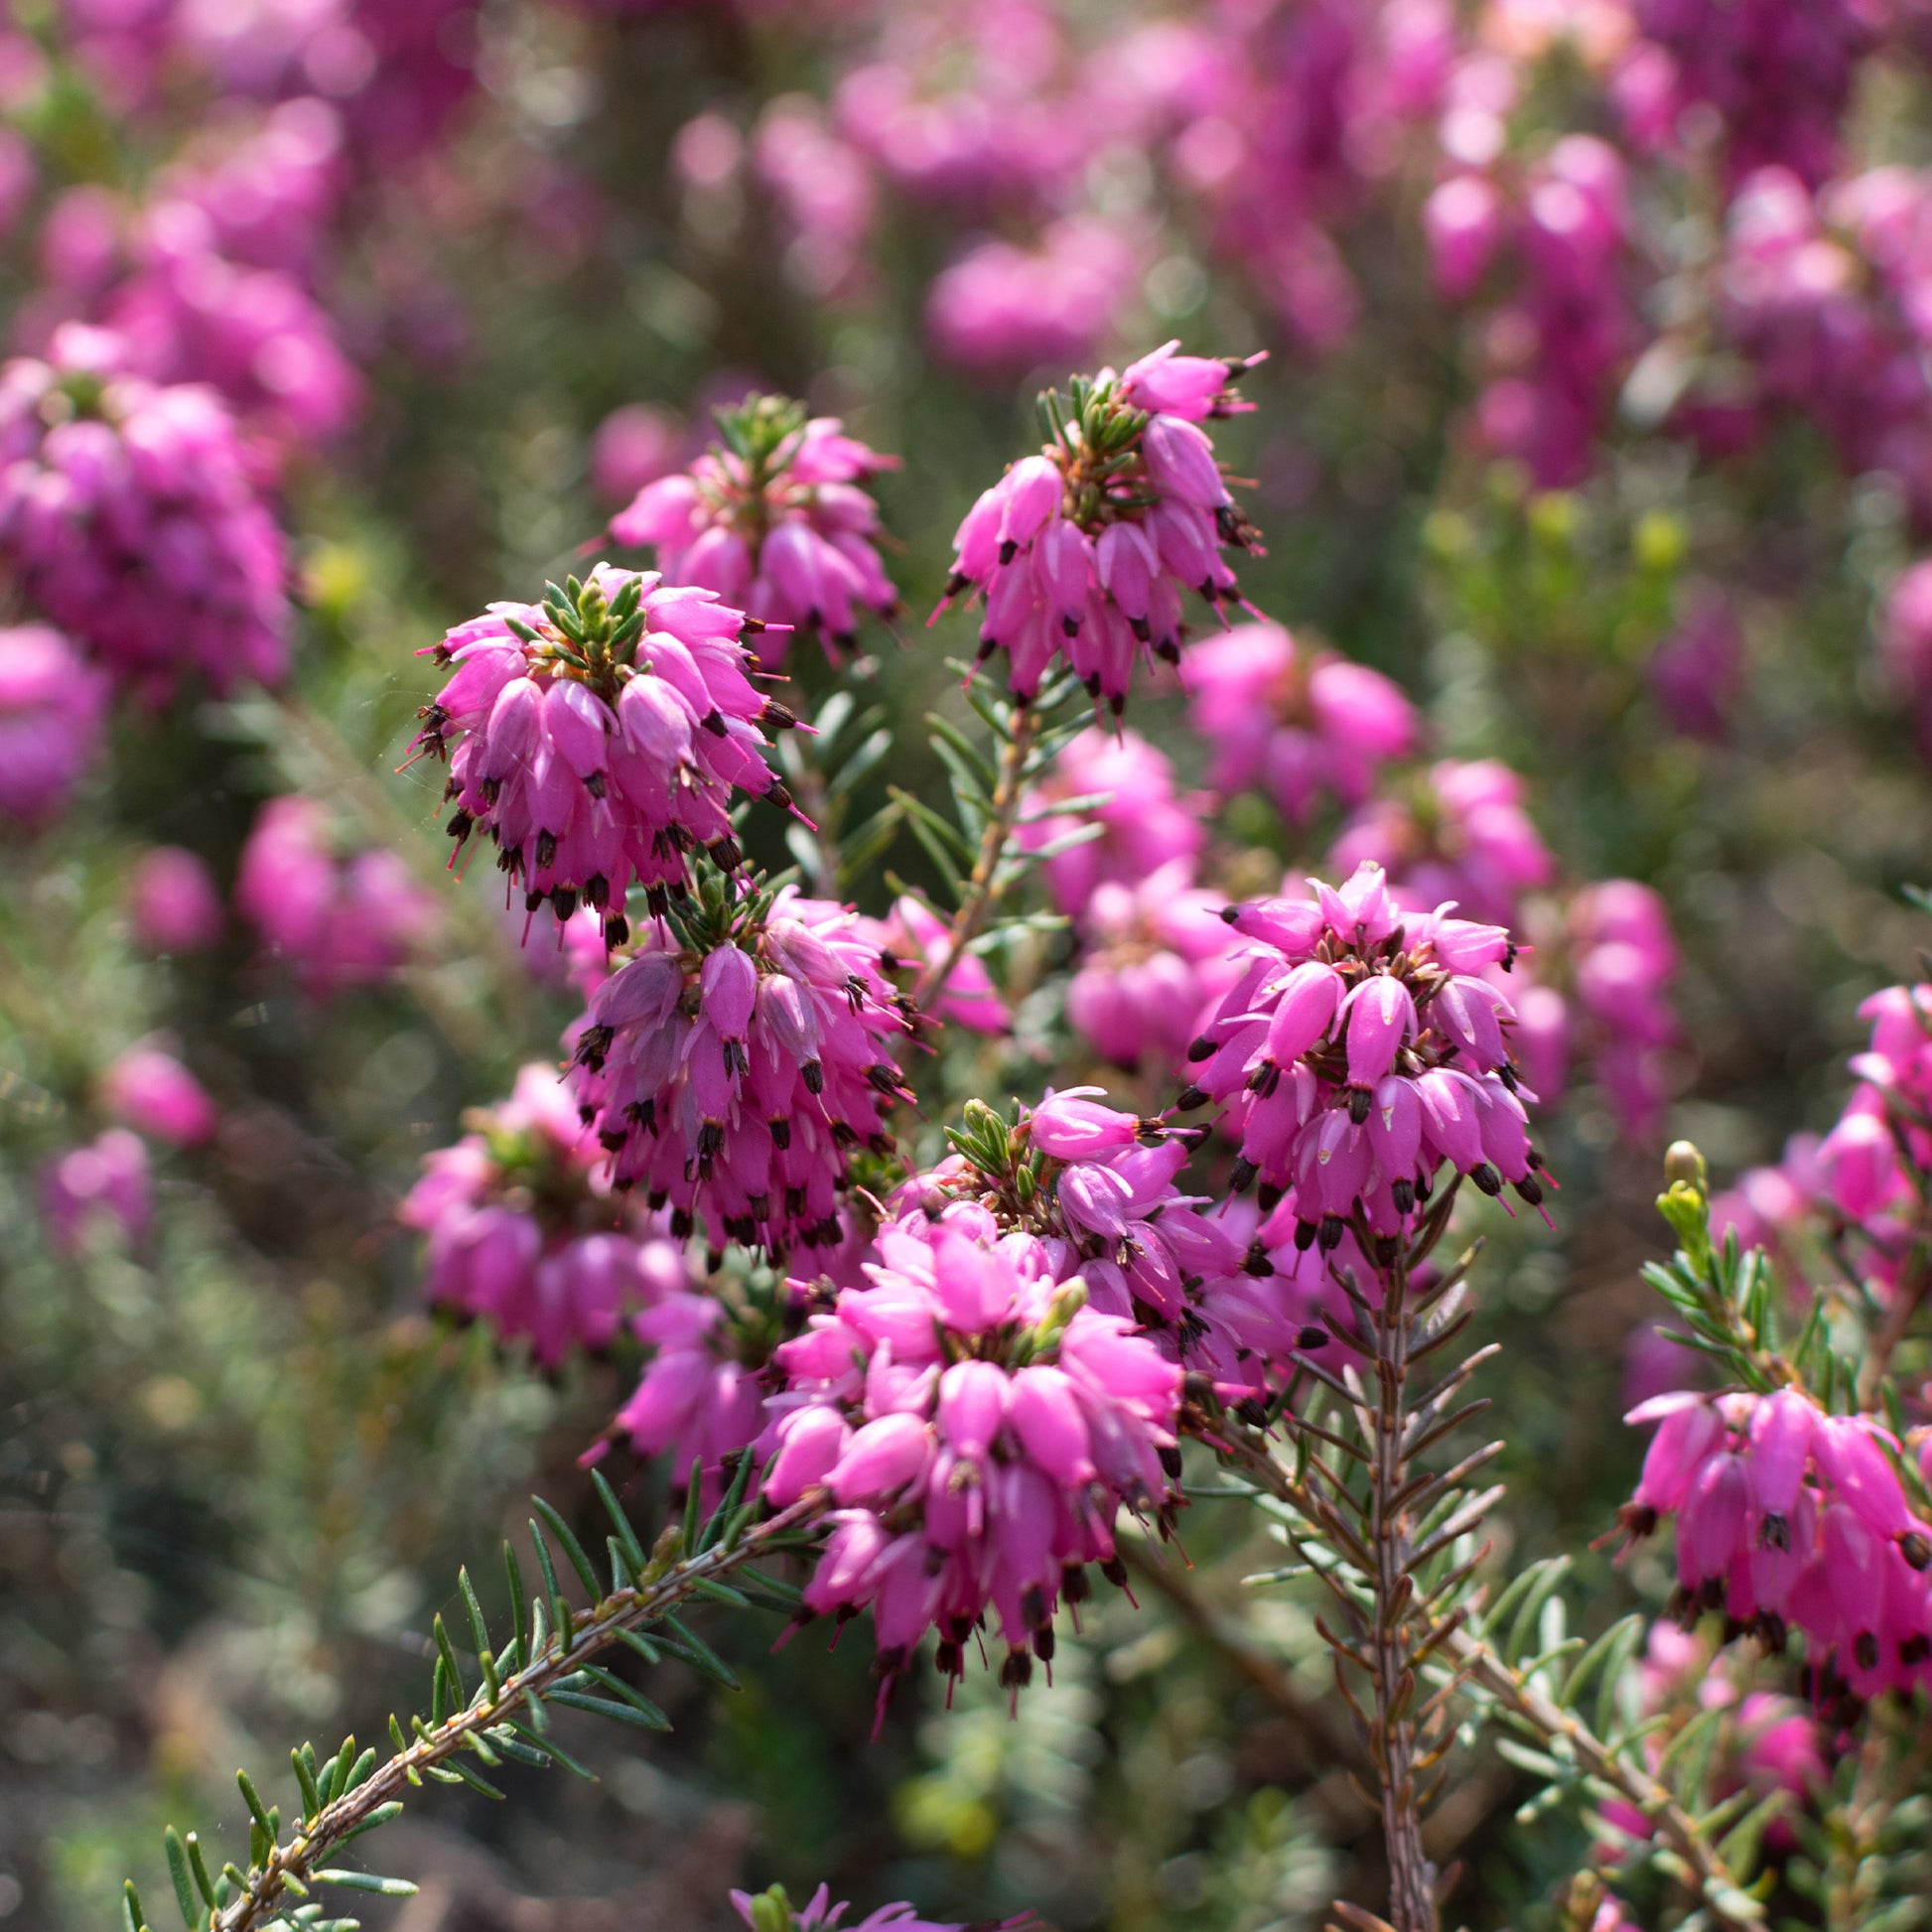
x=1085, y=550
x=598, y=738
x=50, y=710
x=127, y=515
x=733, y=1063
x=916, y=935
x=524, y=1234
x=777, y=522
x=1302, y=726
x=980, y=1429
x=1791, y=1517
x=1366, y=1052
x=701, y=1395
x=336, y=921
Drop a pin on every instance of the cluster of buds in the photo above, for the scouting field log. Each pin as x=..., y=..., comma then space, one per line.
x=980, y=1429
x=1788, y=1517
x=775, y=521
x=731, y=1065
x=597, y=738
x=128, y=518
x=1085, y=550
x=1303, y=727
x=1365, y=1053
x=336, y=921
x=524, y=1234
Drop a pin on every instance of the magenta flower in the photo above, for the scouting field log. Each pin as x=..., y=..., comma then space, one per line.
x=1302, y=727
x=696, y=1396
x=1002, y=309
x=1145, y=822
x=1791, y=1517
x=777, y=522
x=774, y=1911
x=1154, y=959
x=173, y=904
x=128, y=518
x=633, y=447
x=525, y=1235
x=152, y=1090
x=598, y=738
x=1462, y=836
x=102, y=1185
x=915, y=934
x=51, y=705
x=1365, y=1053
x=1625, y=959
x=990, y=1427
x=731, y=1066
x=1084, y=551
x=336, y=921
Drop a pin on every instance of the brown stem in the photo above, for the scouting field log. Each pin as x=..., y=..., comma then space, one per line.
x=290, y=1868
x=1468, y=1656
x=1412, y=1879
x=982, y=889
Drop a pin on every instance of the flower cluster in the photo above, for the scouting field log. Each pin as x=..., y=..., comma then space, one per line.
x=103, y=1184
x=1366, y=1052
x=334, y=922
x=1788, y=1517
x=775, y=521
x=774, y=1911
x=1625, y=959
x=1084, y=551
x=980, y=1429
x=127, y=515
x=733, y=1063
x=50, y=710
x=1461, y=835
x=598, y=738
x=1119, y=782
x=1303, y=727
x=524, y=1234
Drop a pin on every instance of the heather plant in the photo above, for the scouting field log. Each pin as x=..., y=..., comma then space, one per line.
x=1106, y=1131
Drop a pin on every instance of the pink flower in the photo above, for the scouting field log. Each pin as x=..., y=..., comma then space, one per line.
x=696, y=1397
x=600, y=737
x=1000, y=308
x=1360, y=1069
x=735, y=1087
x=1084, y=551
x=969, y=998
x=103, y=1184
x=775, y=521
x=1145, y=824
x=633, y=447
x=336, y=923
x=152, y=1090
x=997, y=1430
x=1302, y=727
x=524, y=1234
x=50, y=710
x=127, y=514
x=171, y=902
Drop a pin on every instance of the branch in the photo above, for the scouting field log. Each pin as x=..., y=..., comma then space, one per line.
x=484, y=1727
x=984, y=888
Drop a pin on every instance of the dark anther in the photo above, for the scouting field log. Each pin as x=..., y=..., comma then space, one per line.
x=1486, y=1177
x=1189, y=1099
x=1329, y=1233
x=1360, y=1100
x=814, y=1076
x=1018, y=1670
x=1916, y=1550
x=1170, y=1461
x=1255, y=1262
x=1202, y=1050
x=1115, y=1572
x=776, y=717
x=1403, y=1194
x=546, y=849
x=460, y=826
x=1305, y=1233
x=1312, y=1339
x=714, y=722
x=1865, y=1649
x=1251, y=1412
x=1530, y=1190
x=1243, y=1177
x=781, y=1125
x=563, y=901
x=597, y=891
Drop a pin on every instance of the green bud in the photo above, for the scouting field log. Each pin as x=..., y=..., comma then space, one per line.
x=1684, y=1164
x=1689, y=1214
x=771, y=1911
